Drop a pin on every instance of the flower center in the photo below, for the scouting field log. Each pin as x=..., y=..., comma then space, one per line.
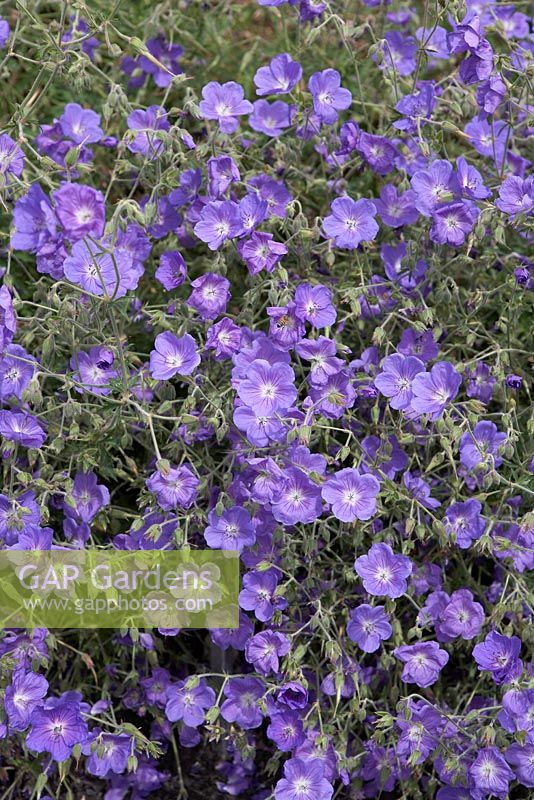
x=302, y=786
x=223, y=110
x=84, y=215
x=268, y=390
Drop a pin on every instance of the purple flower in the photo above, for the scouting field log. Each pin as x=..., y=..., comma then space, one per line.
x=489, y=140
x=11, y=158
x=420, y=734
x=225, y=103
x=155, y=686
x=384, y=573
x=34, y=221
x=210, y=295
x=419, y=490
x=232, y=530
x=378, y=152
x=524, y=276
x=16, y=372
x=516, y=196
x=80, y=125
x=422, y=662
x=252, y=211
x=95, y=370
x=285, y=327
x=147, y=123
x=175, y=487
x=368, y=626
x=434, y=390
x=234, y=637
x=297, y=500
x=416, y=107
x=189, y=184
x=399, y=53
x=219, y=220
x=241, y=704
x=514, y=23
x=395, y=380
x=499, y=655
x=313, y=304
x=392, y=258
x=514, y=382
x=466, y=36
x=491, y=93
x=89, y=496
x=316, y=749
x=271, y=118
x=322, y=354
x=435, y=186
x=5, y=32
x=286, y=729
x=225, y=338
x=452, y=223
x=482, y=447
x=56, y=730
x=260, y=251
x=328, y=96
x=470, y=181
x=81, y=210
x=265, y=649
x=420, y=344
x=51, y=142
x=382, y=457
x=303, y=780
x=21, y=428
x=133, y=243
x=351, y=495
x=522, y=759
x=268, y=387
x=259, y=594
x=98, y=271
x=396, y=209
x=18, y=514
x=8, y=320
x=265, y=485
x=189, y=702
x=334, y=396
x=22, y=696
x=490, y=774
x=461, y=617
x=172, y=270
x=293, y=695
x=279, y=77
x=273, y=192
x=518, y=712
x=464, y=522
x=351, y=222
x=222, y=172
x=167, y=54
x=173, y=356
x=166, y=219
x=477, y=67
x=107, y=753
x=259, y=429
x=481, y=383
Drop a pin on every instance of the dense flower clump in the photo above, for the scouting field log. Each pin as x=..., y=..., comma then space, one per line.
x=267, y=286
